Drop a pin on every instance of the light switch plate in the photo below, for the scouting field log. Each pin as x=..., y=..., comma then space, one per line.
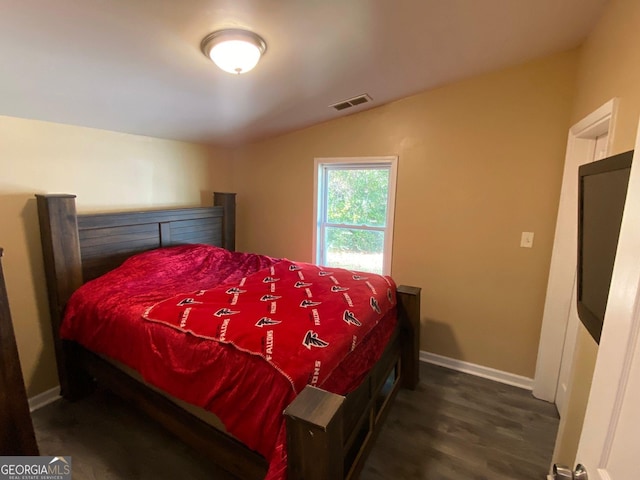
x=526, y=241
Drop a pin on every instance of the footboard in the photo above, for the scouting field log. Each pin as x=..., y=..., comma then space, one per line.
x=329, y=436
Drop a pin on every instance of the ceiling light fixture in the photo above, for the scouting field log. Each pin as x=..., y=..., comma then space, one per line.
x=234, y=50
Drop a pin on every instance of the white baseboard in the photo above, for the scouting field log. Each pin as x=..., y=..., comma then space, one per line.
x=44, y=398
x=478, y=370
x=53, y=394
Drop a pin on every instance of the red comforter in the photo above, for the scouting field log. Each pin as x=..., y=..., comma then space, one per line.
x=236, y=375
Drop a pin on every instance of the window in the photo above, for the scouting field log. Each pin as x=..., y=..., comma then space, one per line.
x=354, y=213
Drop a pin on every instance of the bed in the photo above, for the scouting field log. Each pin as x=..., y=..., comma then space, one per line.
x=328, y=436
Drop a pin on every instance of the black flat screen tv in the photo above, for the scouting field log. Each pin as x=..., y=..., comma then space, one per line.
x=602, y=191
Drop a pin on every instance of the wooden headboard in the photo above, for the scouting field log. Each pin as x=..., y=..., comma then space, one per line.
x=78, y=248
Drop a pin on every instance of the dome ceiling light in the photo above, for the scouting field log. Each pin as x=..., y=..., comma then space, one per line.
x=234, y=50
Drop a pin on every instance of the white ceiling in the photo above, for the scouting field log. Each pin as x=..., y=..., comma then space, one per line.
x=135, y=65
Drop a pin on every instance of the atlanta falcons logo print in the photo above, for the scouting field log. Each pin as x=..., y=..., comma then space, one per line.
x=308, y=303
x=234, y=290
x=374, y=305
x=266, y=321
x=311, y=340
x=269, y=298
x=301, y=318
x=187, y=301
x=338, y=288
x=223, y=312
x=350, y=318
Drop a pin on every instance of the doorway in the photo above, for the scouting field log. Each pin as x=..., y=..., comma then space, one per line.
x=590, y=139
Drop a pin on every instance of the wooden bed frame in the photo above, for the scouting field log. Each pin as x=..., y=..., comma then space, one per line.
x=328, y=435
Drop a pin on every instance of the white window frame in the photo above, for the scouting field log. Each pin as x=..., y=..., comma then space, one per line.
x=319, y=213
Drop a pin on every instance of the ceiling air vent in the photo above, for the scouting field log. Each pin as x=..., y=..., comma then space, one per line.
x=351, y=102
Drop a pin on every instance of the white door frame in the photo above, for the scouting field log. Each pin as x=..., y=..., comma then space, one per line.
x=558, y=334
x=608, y=443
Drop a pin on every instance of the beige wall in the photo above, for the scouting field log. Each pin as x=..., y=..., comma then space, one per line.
x=609, y=67
x=480, y=161
x=106, y=170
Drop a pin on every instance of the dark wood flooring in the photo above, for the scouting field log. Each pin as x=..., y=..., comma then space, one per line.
x=454, y=426
x=457, y=426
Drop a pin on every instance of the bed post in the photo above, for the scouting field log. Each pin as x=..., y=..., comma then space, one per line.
x=63, y=271
x=409, y=317
x=228, y=203
x=315, y=436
